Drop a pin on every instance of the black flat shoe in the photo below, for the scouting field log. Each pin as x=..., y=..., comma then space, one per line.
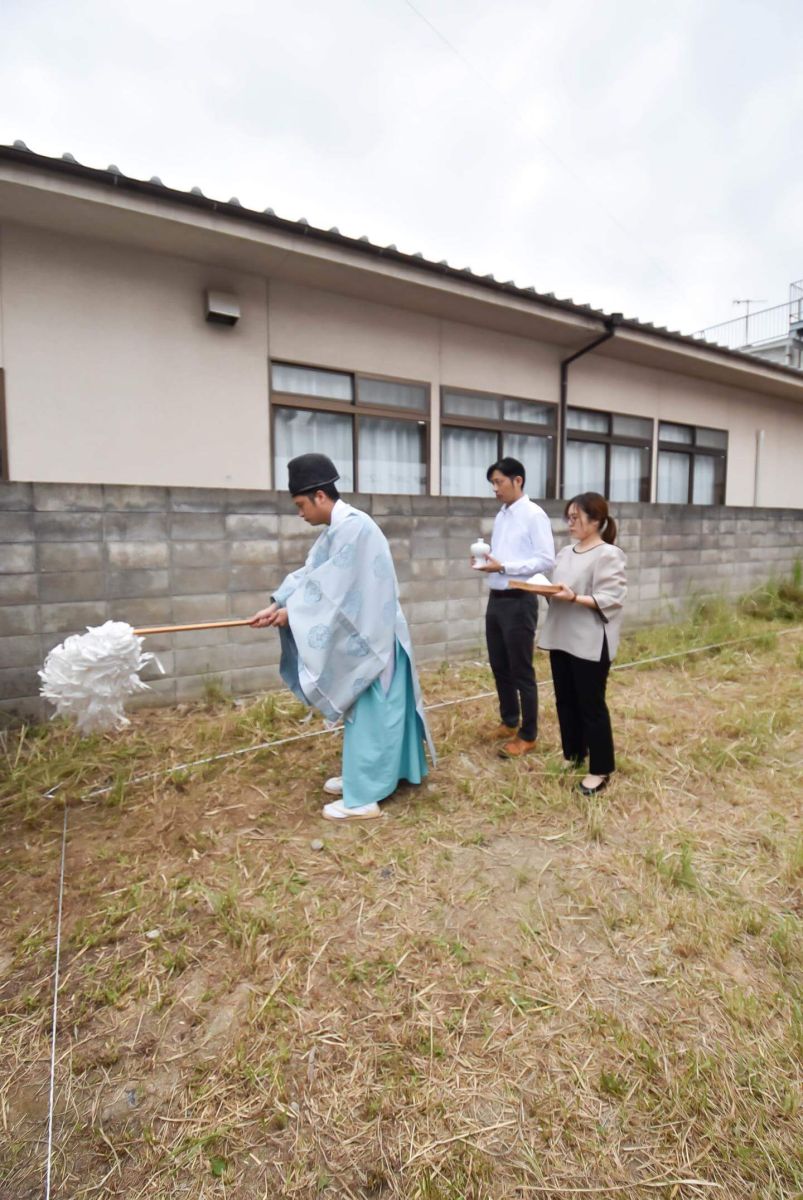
x=594, y=791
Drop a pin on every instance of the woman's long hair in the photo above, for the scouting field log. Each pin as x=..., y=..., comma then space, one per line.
x=595, y=508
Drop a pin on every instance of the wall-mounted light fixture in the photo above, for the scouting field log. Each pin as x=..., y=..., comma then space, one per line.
x=222, y=308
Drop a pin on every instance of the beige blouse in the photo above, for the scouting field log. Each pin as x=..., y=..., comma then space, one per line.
x=578, y=630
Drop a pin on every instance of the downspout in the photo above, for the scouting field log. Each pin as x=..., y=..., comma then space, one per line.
x=611, y=323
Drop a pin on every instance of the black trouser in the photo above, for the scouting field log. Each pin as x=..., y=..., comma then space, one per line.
x=585, y=724
x=510, y=622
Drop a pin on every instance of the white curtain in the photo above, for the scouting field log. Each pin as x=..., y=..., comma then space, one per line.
x=673, y=478
x=626, y=464
x=308, y=381
x=583, y=418
x=533, y=453
x=466, y=454
x=704, y=479
x=585, y=468
x=297, y=431
x=391, y=457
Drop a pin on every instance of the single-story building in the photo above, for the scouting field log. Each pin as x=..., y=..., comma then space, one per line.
x=153, y=336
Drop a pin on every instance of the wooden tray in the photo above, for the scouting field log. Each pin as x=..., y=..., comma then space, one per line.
x=538, y=589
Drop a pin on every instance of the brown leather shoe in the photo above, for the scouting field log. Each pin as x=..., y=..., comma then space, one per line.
x=503, y=731
x=516, y=748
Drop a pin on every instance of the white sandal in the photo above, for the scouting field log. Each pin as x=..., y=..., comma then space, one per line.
x=337, y=811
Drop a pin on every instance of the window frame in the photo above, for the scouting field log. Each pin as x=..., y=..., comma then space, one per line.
x=693, y=452
x=500, y=426
x=354, y=410
x=610, y=439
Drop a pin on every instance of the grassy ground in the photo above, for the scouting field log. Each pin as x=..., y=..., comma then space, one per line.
x=502, y=989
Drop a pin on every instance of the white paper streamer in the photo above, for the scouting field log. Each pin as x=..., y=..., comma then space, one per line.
x=89, y=677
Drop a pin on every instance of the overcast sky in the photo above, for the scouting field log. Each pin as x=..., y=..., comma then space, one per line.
x=638, y=155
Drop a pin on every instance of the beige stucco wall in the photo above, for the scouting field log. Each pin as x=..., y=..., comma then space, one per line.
x=605, y=384
x=113, y=375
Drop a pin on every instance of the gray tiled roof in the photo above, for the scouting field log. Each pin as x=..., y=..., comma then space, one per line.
x=195, y=198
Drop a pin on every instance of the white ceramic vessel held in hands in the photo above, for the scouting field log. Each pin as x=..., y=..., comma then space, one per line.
x=480, y=549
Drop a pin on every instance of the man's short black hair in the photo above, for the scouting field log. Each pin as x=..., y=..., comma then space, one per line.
x=328, y=489
x=507, y=466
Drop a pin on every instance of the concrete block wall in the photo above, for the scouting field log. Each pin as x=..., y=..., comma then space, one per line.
x=76, y=555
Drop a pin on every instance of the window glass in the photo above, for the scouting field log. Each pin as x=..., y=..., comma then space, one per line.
x=585, y=468
x=533, y=453
x=673, y=477
x=466, y=455
x=629, y=465
x=391, y=457
x=675, y=433
x=531, y=414
x=632, y=427
x=393, y=395
x=704, y=487
x=309, y=381
x=716, y=438
x=582, y=418
x=297, y=431
x=459, y=404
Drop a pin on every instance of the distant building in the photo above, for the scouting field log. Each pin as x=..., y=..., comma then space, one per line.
x=774, y=333
x=153, y=336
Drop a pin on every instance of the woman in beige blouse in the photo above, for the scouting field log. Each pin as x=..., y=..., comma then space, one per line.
x=581, y=633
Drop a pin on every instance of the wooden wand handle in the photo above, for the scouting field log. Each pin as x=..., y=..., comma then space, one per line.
x=186, y=628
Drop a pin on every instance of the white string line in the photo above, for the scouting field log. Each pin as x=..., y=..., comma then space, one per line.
x=264, y=746
x=54, y=1025
x=202, y=762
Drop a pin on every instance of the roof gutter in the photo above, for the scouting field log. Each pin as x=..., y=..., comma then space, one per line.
x=611, y=323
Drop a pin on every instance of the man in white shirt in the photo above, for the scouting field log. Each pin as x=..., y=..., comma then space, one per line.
x=521, y=545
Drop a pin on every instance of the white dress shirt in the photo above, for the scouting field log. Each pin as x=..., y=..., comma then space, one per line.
x=522, y=542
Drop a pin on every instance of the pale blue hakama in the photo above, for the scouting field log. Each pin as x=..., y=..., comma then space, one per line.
x=383, y=739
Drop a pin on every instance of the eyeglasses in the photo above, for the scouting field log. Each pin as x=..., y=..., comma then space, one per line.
x=572, y=517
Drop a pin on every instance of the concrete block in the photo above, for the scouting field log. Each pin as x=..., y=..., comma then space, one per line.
x=23, y=651
x=17, y=527
x=249, y=579
x=142, y=611
x=135, y=526
x=466, y=630
x=72, y=617
x=68, y=497
x=143, y=556
x=59, y=586
x=135, y=583
x=193, y=687
x=16, y=497
x=462, y=610
x=212, y=606
x=432, y=631
x=395, y=506
x=198, y=500
x=204, y=526
x=421, y=612
x=202, y=660
x=17, y=558
x=430, y=652
x=294, y=527
x=421, y=567
x=254, y=553
x=243, y=634
x=19, y=683
x=18, y=589
x=128, y=498
x=396, y=526
x=70, y=556
x=255, y=654
x=198, y=638
x=199, y=554
x=18, y=619
x=68, y=526
x=244, y=500
x=188, y=581
x=249, y=680
x=428, y=548
x=250, y=526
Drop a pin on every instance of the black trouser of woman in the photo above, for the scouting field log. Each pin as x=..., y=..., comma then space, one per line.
x=585, y=724
x=510, y=622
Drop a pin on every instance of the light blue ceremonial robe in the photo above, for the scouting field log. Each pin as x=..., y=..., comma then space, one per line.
x=347, y=652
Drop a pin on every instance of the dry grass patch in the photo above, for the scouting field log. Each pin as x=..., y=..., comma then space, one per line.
x=503, y=989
